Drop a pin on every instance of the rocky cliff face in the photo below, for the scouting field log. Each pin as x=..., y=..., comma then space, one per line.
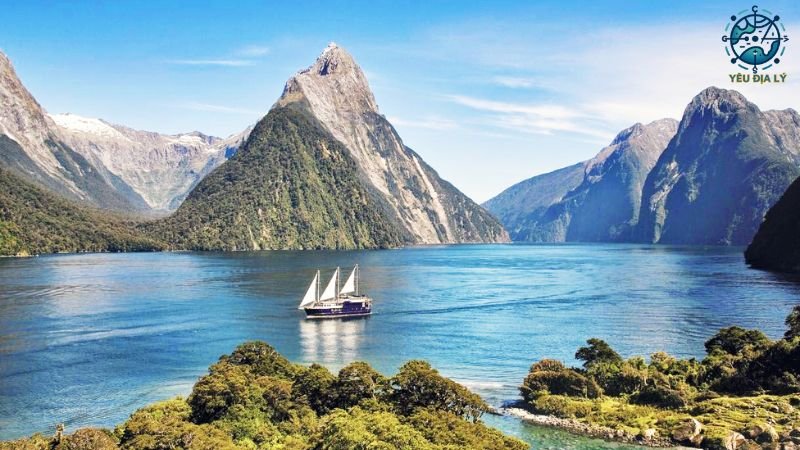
x=162, y=169
x=776, y=245
x=597, y=200
x=728, y=163
x=43, y=158
x=429, y=210
x=108, y=166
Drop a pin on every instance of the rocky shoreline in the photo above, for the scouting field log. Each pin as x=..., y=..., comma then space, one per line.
x=584, y=429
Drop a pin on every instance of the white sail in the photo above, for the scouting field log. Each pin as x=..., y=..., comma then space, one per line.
x=350, y=285
x=330, y=290
x=311, y=293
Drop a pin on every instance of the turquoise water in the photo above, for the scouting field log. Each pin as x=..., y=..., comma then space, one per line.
x=87, y=339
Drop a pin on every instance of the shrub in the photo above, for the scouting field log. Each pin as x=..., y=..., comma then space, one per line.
x=549, y=377
x=561, y=406
x=659, y=397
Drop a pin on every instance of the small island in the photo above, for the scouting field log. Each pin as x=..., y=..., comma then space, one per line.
x=744, y=394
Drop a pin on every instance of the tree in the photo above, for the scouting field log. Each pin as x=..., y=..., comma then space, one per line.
x=89, y=439
x=356, y=382
x=315, y=385
x=735, y=340
x=262, y=359
x=226, y=385
x=793, y=322
x=551, y=377
x=598, y=351
x=166, y=425
x=418, y=385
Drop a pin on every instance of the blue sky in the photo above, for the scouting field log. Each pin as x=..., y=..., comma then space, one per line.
x=489, y=93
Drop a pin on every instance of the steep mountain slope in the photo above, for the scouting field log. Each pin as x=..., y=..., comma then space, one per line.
x=728, y=163
x=107, y=166
x=521, y=206
x=291, y=186
x=162, y=169
x=33, y=221
x=594, y=201
x=429, y=210
x=776, y=245
x=41, y=156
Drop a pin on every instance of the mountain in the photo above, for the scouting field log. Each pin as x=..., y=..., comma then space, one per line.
x=521, y=206
x=41, y=157
x=162, y=169
x=597, y=200
x=428, y=209
x=101, y=164
x=325, y=170
x=776, y=245
x=727, y=165
x=291, y=186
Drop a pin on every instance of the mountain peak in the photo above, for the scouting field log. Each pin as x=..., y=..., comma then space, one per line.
x=714, y=102
x=718, y=98
x=333, y=82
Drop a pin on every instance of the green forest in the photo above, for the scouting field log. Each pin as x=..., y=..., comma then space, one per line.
x=255, y=398
x=744, y=394
x=35, y=221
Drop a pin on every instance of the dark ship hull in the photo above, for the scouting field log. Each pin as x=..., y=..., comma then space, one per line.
x=352, y=307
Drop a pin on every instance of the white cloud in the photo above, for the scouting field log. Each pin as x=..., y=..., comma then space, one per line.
x=545, y=119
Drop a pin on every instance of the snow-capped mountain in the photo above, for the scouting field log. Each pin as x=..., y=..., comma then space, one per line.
x=108, y=166
x=162, y=169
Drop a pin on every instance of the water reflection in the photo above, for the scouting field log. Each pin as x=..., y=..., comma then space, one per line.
x=332, y=342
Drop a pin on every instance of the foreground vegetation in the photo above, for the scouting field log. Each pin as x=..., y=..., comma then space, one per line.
x=256, y=399
x=744, y=394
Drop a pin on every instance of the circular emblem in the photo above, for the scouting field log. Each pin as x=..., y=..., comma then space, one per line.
x=755, y=40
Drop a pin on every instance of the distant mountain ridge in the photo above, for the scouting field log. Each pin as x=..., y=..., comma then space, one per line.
x=162, y=169
x=597, y=200
x=710, y=184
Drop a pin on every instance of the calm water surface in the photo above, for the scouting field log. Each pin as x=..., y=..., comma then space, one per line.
x=87, y=339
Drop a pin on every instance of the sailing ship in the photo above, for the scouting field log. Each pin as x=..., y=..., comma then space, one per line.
x=336, y=300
